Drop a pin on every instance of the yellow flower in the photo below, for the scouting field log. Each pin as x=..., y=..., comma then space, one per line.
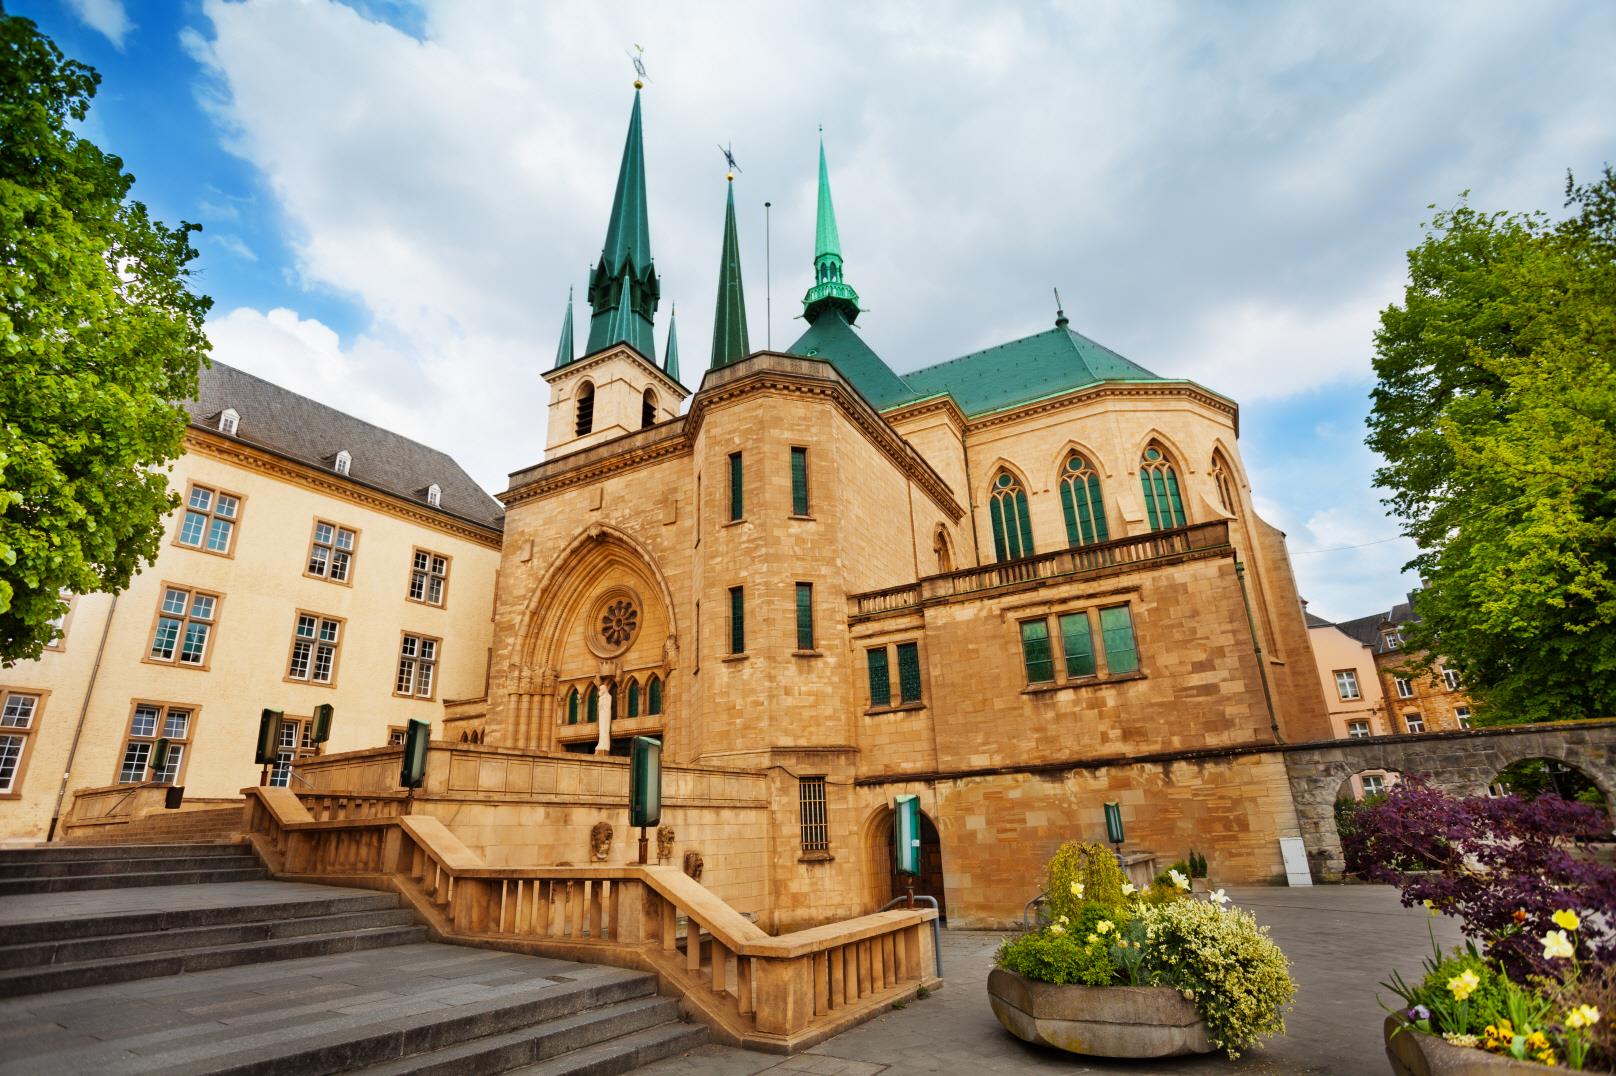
x=1129, y=889
x=1103, y=926
x=1463, y=985
x=1093, y=938
x=1056, y=928
x=1537, y=1041
x=1077, y=889
x=1557, y=946
x=1178, y=879
x=1431, y=908
x=1063, y=920
x=1566, y=919
x=1582, y=1016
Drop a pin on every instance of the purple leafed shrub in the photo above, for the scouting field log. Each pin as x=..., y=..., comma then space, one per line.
x=1502, y=865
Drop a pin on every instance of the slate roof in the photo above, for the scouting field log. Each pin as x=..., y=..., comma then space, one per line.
x=309, y=432
x=1370, y=629
x=1314, y=621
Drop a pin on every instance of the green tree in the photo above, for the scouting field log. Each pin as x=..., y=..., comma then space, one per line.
x=1496, y=414
x=99, y=336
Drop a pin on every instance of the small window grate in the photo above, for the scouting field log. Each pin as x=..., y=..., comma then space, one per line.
x=815, y=828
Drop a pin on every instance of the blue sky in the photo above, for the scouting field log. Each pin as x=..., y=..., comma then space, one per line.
x=396, y=196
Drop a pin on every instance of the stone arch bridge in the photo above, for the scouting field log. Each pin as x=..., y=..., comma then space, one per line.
x=1462, y=763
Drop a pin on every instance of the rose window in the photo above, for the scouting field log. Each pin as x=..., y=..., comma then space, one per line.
x=618, y=622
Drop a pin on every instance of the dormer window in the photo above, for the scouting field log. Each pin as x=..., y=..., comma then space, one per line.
x=229, y=420
x=434, y=496
x=343, y=462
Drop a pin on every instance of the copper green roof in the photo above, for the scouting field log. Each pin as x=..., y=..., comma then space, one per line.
x=829, y=290
x=1044, y=364
x=729, y=314
x=564, y=351
x=833, y=340
x=623, y=289
x=670, y=357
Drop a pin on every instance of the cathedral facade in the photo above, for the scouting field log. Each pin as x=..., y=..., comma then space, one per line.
x=1019, y=584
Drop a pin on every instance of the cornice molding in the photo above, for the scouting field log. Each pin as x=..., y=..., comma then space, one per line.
x=1109, y=389
x=616, y=351
x=943, y=403
x=254, y=458
x=597, y=465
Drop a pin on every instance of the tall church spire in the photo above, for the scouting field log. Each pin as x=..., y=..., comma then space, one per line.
x=828, y=292
x=670, y=357
x=623, y=290
x=729, y=319
x=564, y=352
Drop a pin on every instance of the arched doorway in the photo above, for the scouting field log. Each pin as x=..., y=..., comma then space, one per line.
x=882, y=865
x=1530, y=778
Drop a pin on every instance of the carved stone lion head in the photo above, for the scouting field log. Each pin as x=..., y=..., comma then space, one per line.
x=664, y=842
x=693, y=864
x=600, y=841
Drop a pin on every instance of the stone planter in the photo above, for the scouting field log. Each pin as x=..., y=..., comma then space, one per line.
x=1414, y=1053
x=1098, y=1021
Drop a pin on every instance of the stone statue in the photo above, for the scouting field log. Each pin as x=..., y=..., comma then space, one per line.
x=600, y=841
x=664, y=842
x=693, y=864
x=670, y=653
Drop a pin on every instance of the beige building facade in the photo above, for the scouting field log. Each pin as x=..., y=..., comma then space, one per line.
x=285, y=580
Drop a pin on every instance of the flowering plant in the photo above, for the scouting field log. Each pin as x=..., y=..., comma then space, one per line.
x=1215, y=955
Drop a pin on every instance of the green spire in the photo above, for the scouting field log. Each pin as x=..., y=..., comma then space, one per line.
x=729, y=319
x=623, y=291
x=670, y=361
x=828, y=291
x=564, y=349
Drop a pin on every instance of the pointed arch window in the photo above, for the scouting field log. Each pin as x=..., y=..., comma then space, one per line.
x=572, y=707
x=592, y=705
x=648, y=409
x=1164, y=505
x=1012, y=526
x=653, y=696
x=1221, y=473
x=633, y=698
x=1081, y=502
x=586, y=409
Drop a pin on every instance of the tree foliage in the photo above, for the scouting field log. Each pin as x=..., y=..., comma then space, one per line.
x=1496, y=414
x=100, y=334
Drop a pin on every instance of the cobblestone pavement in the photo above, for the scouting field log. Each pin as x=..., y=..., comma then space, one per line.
x=1341, y=940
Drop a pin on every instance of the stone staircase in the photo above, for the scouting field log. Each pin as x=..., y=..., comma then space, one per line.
x=215, y=975
x=163, y=827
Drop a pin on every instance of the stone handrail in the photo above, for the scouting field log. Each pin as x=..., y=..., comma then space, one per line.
x=776, y=993
x=1080, y=560
x=329, y=806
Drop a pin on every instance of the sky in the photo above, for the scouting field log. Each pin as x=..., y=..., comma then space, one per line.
x=396, y=197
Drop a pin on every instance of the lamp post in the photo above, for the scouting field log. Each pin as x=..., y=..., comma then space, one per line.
x=1113, y=829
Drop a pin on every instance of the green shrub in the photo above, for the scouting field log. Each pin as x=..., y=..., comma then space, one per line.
x=1057, y=955
x=1092, y=866
x=1233, y=972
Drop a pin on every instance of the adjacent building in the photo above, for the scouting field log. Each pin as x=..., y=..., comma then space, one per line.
x=314, y=558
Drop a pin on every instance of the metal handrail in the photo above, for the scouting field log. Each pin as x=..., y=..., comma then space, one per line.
x=1041, y=898
x=936, y=931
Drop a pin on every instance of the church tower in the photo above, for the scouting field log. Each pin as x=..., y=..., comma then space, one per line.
x=616, y=387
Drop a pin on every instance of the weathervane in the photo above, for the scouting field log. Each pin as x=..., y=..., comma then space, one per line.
x=637, y=57
x=729, y=157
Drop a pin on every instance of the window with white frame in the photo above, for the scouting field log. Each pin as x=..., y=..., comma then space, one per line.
x=1450, y=678
x=434, y=495
x=343, y=462
x=183, y=628
x=429, y=576
x=417, y=667
x=210, y=519
x=331, y=552
x=1461, y=714
x=1414, y=722
x=1392, y=640
x=19, y=716
x=1373, y=784
x=148, y=723
x=1346, y=684
x=1358, y=730
x=315, y=642
x=294, y=741
x=229, y=421
x=1405, y=687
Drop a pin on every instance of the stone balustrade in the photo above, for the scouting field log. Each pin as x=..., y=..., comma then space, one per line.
x=780, y=993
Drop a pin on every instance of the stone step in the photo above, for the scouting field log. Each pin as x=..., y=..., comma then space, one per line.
x=122, y=969
x=109, y=946
x=624, y=1054
x=62, y=868
x=551, y=1039
x=58, y=853
x=173, y=920
x=72, y=882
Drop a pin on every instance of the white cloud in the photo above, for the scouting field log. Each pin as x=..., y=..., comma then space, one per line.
x=234, y=244
x=106, y=17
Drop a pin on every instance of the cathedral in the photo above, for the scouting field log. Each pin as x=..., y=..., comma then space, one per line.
x=1019, y=584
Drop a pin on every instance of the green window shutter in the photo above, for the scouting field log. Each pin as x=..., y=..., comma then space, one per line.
x=909, y=672
x=1116, y=628
x=634, y=698
x=1036, y=653
x=736, y=504
x=880, y=682
x=594, y=706
x=799, y=481
x=572, y=707
x=737, y=620
x=653, y=696
x=1101, y=534
x=1025, y=520
x=1078, y=643
x=805, y=616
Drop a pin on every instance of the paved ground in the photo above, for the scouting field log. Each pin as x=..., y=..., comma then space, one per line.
x=1342, y=941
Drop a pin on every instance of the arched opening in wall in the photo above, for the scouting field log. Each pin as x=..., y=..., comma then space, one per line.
x=586, y=409
x=648, y=409
x=882, y=881
x=1533, y=777
x=1359, y=791
x=940, y=547
x=1222, y=478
